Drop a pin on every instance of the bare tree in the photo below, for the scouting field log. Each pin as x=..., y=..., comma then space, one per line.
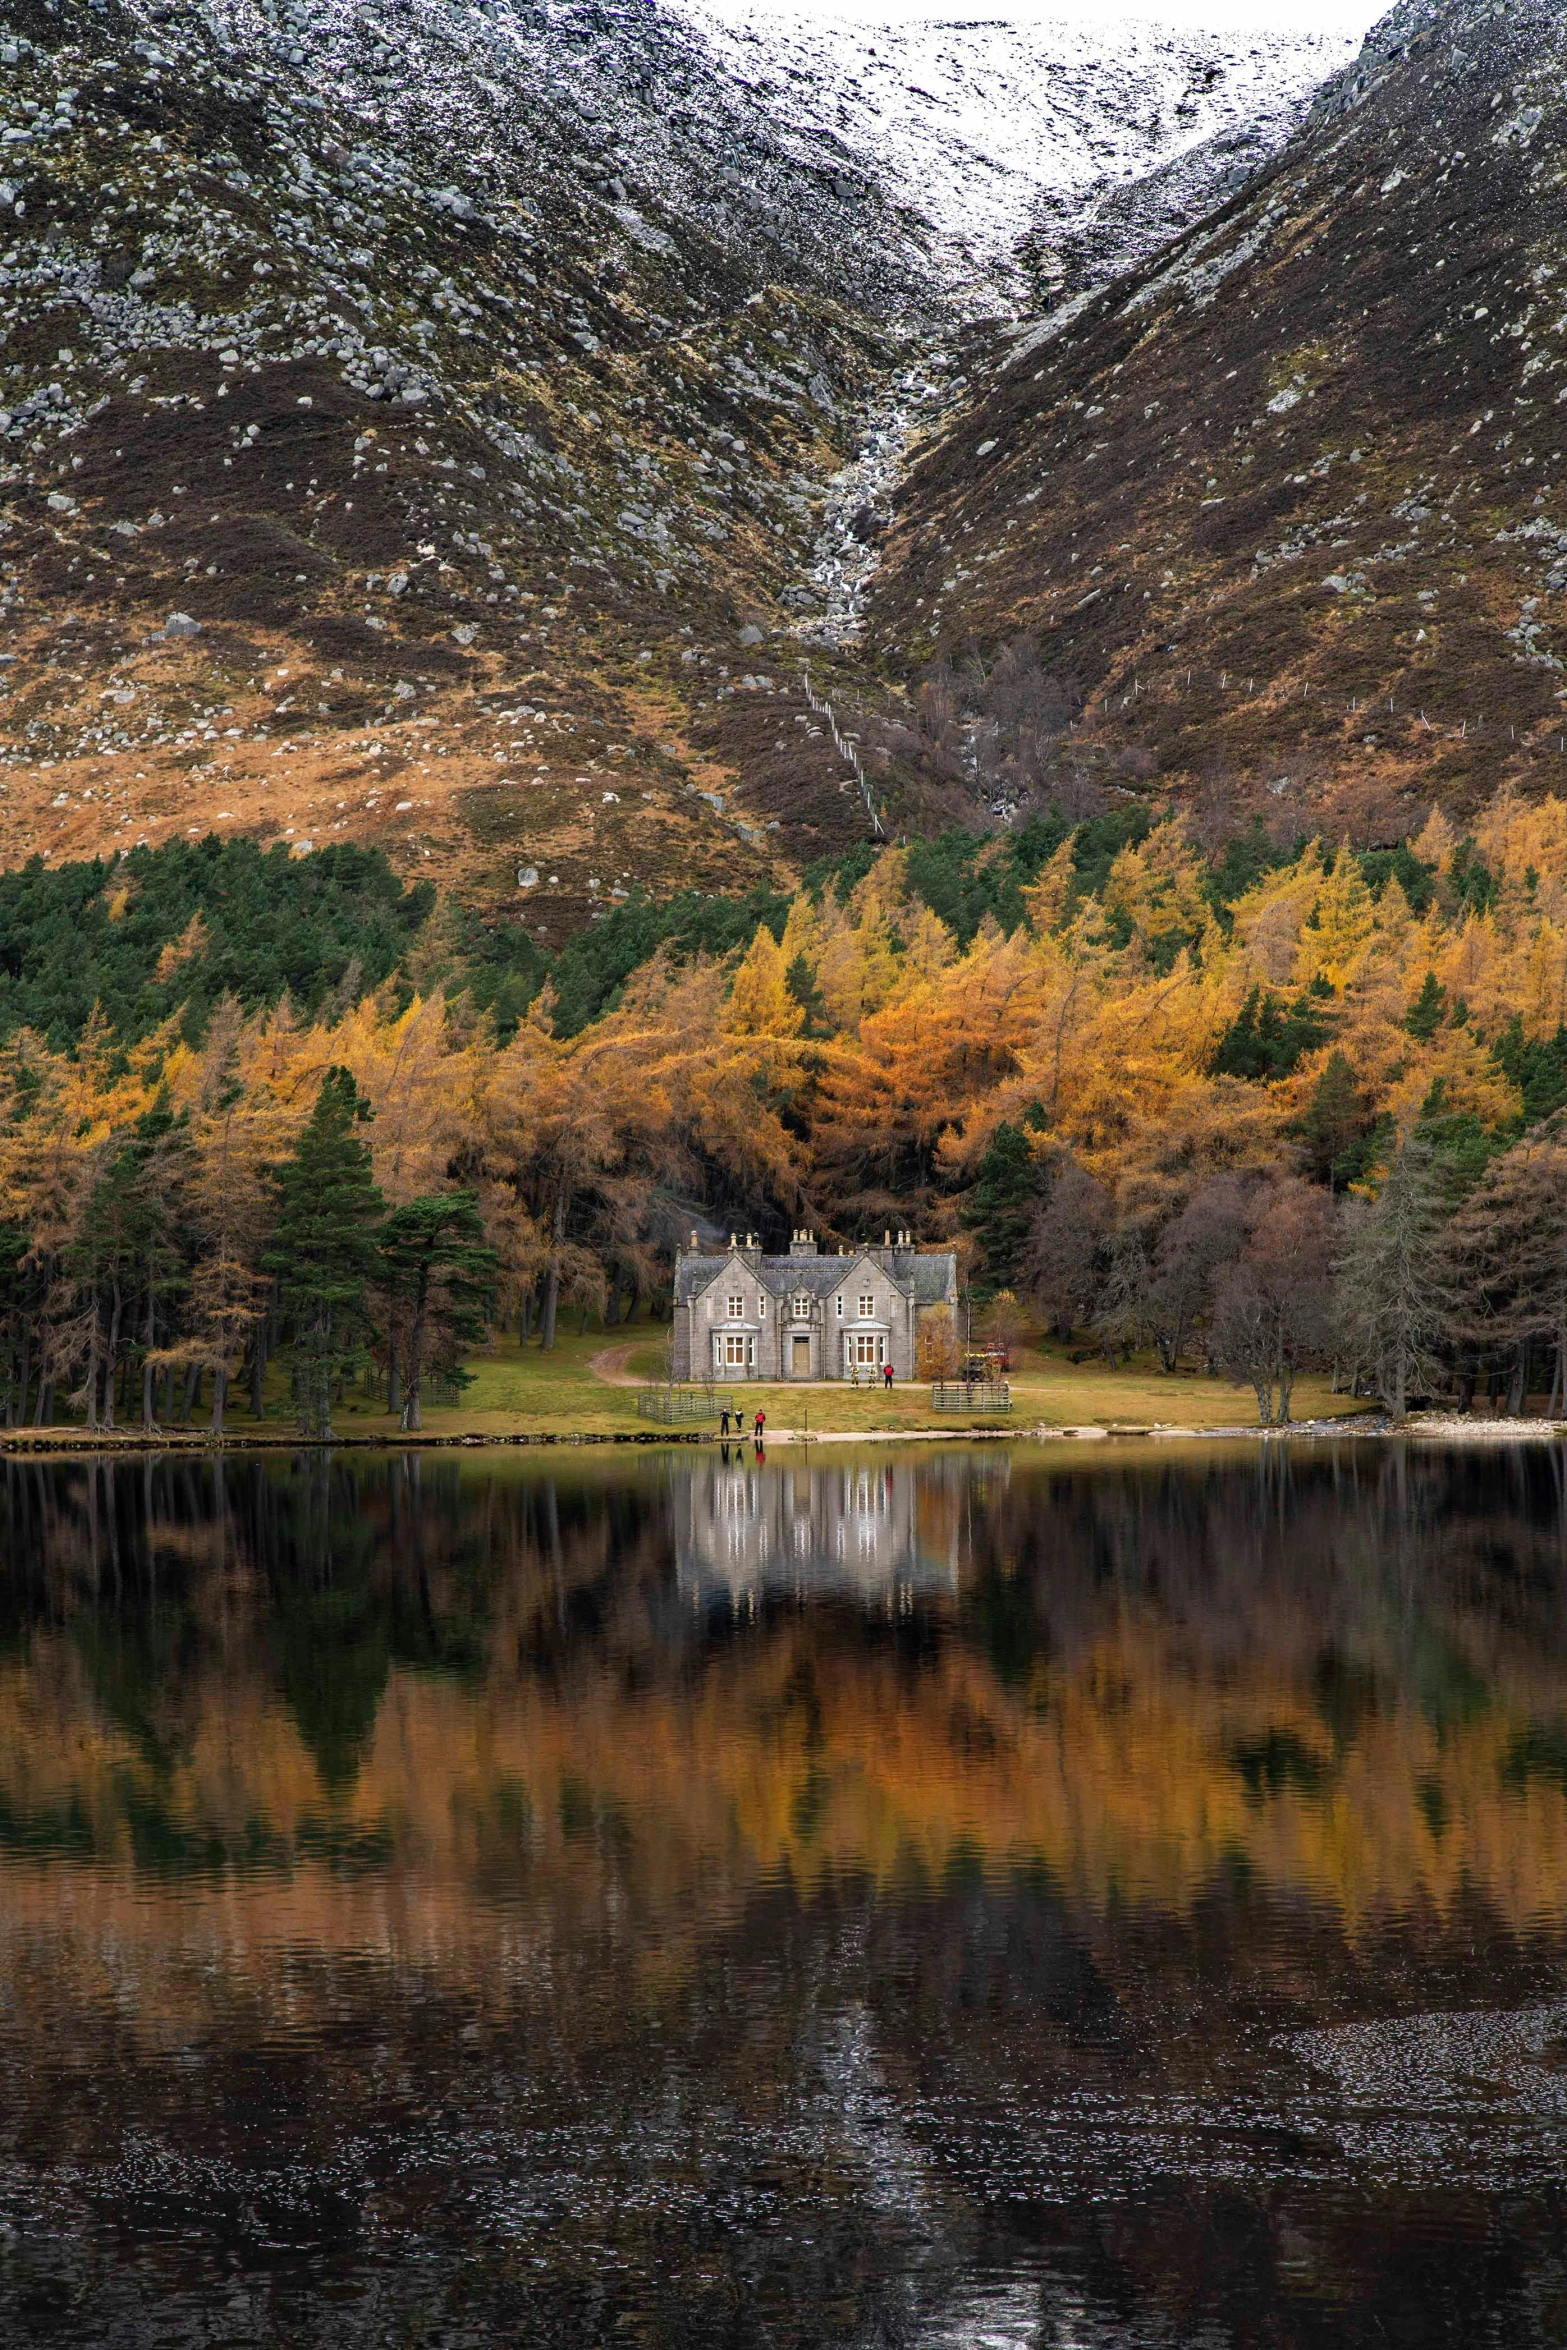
x=1507, y=1261
x=1062, y=1261
x=1121, y=1323
x=1193, y=1248
x=1273, y=1309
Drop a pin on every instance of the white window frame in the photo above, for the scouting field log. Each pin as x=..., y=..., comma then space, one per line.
x=840, y=1305
x=761, y=1309
x=802, y=1306
x=737, y=1309
x=867, y=1306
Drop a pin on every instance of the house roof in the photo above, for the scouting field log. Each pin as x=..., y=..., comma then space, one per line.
x=926, y=1278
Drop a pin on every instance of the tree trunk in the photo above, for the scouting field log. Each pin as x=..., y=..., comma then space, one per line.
x=320, y=1387
x=412, y=1420
x=192, y=1396
x=27, y=1372
x=1518, y=1387
x=612, y=1302
x=148, y=1374
x=114, y=1357
x=552, y=1275
x=258, y=1365
x=220, y=1389
x=92, y=1372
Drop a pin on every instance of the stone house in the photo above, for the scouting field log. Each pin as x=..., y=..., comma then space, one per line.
x=744, y=1315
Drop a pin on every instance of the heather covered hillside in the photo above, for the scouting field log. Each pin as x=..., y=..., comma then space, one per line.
x=1280, y=514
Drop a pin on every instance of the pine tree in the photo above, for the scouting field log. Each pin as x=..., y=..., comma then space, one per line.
x=1334, y=1122
x=1424, y=1016
x=324, y=1247
x=1001, y=1208
x=436, y=1263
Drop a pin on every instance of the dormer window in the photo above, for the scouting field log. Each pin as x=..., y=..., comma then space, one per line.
x=737, y=1309
x=802, y=1307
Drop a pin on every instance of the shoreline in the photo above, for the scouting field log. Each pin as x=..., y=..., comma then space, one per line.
x=1437, y=1428
x=62, y=1442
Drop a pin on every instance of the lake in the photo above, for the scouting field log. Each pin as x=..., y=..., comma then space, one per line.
x=1097, y=1895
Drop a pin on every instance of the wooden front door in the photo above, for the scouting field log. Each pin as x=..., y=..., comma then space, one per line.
x=802, y=1356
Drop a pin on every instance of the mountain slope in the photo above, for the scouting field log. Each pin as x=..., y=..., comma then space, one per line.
x=1282, y=512
x=418, y=423
x=1018, y=136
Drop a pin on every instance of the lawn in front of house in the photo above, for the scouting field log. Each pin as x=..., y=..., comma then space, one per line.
x=577, y=1389
x=517, y=1387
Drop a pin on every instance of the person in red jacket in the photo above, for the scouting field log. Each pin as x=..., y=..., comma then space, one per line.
x=761, y=1423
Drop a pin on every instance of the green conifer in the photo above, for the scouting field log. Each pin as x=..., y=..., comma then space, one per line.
x=324, y=1248
x=435, y=1261
x=1007, y=1190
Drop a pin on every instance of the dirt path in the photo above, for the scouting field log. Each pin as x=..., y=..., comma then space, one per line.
x=609, y=1364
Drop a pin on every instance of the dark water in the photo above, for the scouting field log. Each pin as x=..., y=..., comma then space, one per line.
x=1105, y=1896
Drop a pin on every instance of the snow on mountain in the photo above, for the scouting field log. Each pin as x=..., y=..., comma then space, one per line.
x=418, y=416
x=1283, y=515
x=992, y=128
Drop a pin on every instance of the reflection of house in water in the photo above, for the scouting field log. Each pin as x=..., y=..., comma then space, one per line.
x=874, y=1529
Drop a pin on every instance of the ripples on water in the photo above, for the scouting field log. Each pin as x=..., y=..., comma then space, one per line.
x=1043, y=1899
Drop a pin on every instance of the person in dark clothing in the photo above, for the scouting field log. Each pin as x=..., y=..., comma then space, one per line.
x=723, y=1421
x=886, y=1377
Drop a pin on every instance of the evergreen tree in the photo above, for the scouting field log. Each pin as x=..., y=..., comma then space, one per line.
x=127, y=1260
x=1001, y=1208
x=324, y=1248
x=1397, y=1304
x=1424, y=1016
x=1334, y=1124
x=437, y=1268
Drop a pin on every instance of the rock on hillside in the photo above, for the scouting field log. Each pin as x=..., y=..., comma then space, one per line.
x=1283, y=509
x=1024, y=143
x=417, y=421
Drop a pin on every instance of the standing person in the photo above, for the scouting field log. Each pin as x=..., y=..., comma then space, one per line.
x=761, y=1423
x=886, y=1377
x=723, y=1421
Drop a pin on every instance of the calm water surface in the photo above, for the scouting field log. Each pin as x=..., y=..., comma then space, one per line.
x=1097, y=1897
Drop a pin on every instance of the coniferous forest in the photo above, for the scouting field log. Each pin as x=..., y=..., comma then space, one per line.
x=1262, y=1107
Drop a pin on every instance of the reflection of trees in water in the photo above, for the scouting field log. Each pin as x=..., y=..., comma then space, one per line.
x=766, y=2000
x=319, y=1575
x=1338, y=1665
x=1362, y=1567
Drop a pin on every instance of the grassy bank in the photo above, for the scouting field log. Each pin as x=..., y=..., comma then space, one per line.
x=574, y=1390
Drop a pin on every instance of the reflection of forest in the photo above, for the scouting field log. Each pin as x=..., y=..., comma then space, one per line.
x=404, y=1685
x=445, y=1855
